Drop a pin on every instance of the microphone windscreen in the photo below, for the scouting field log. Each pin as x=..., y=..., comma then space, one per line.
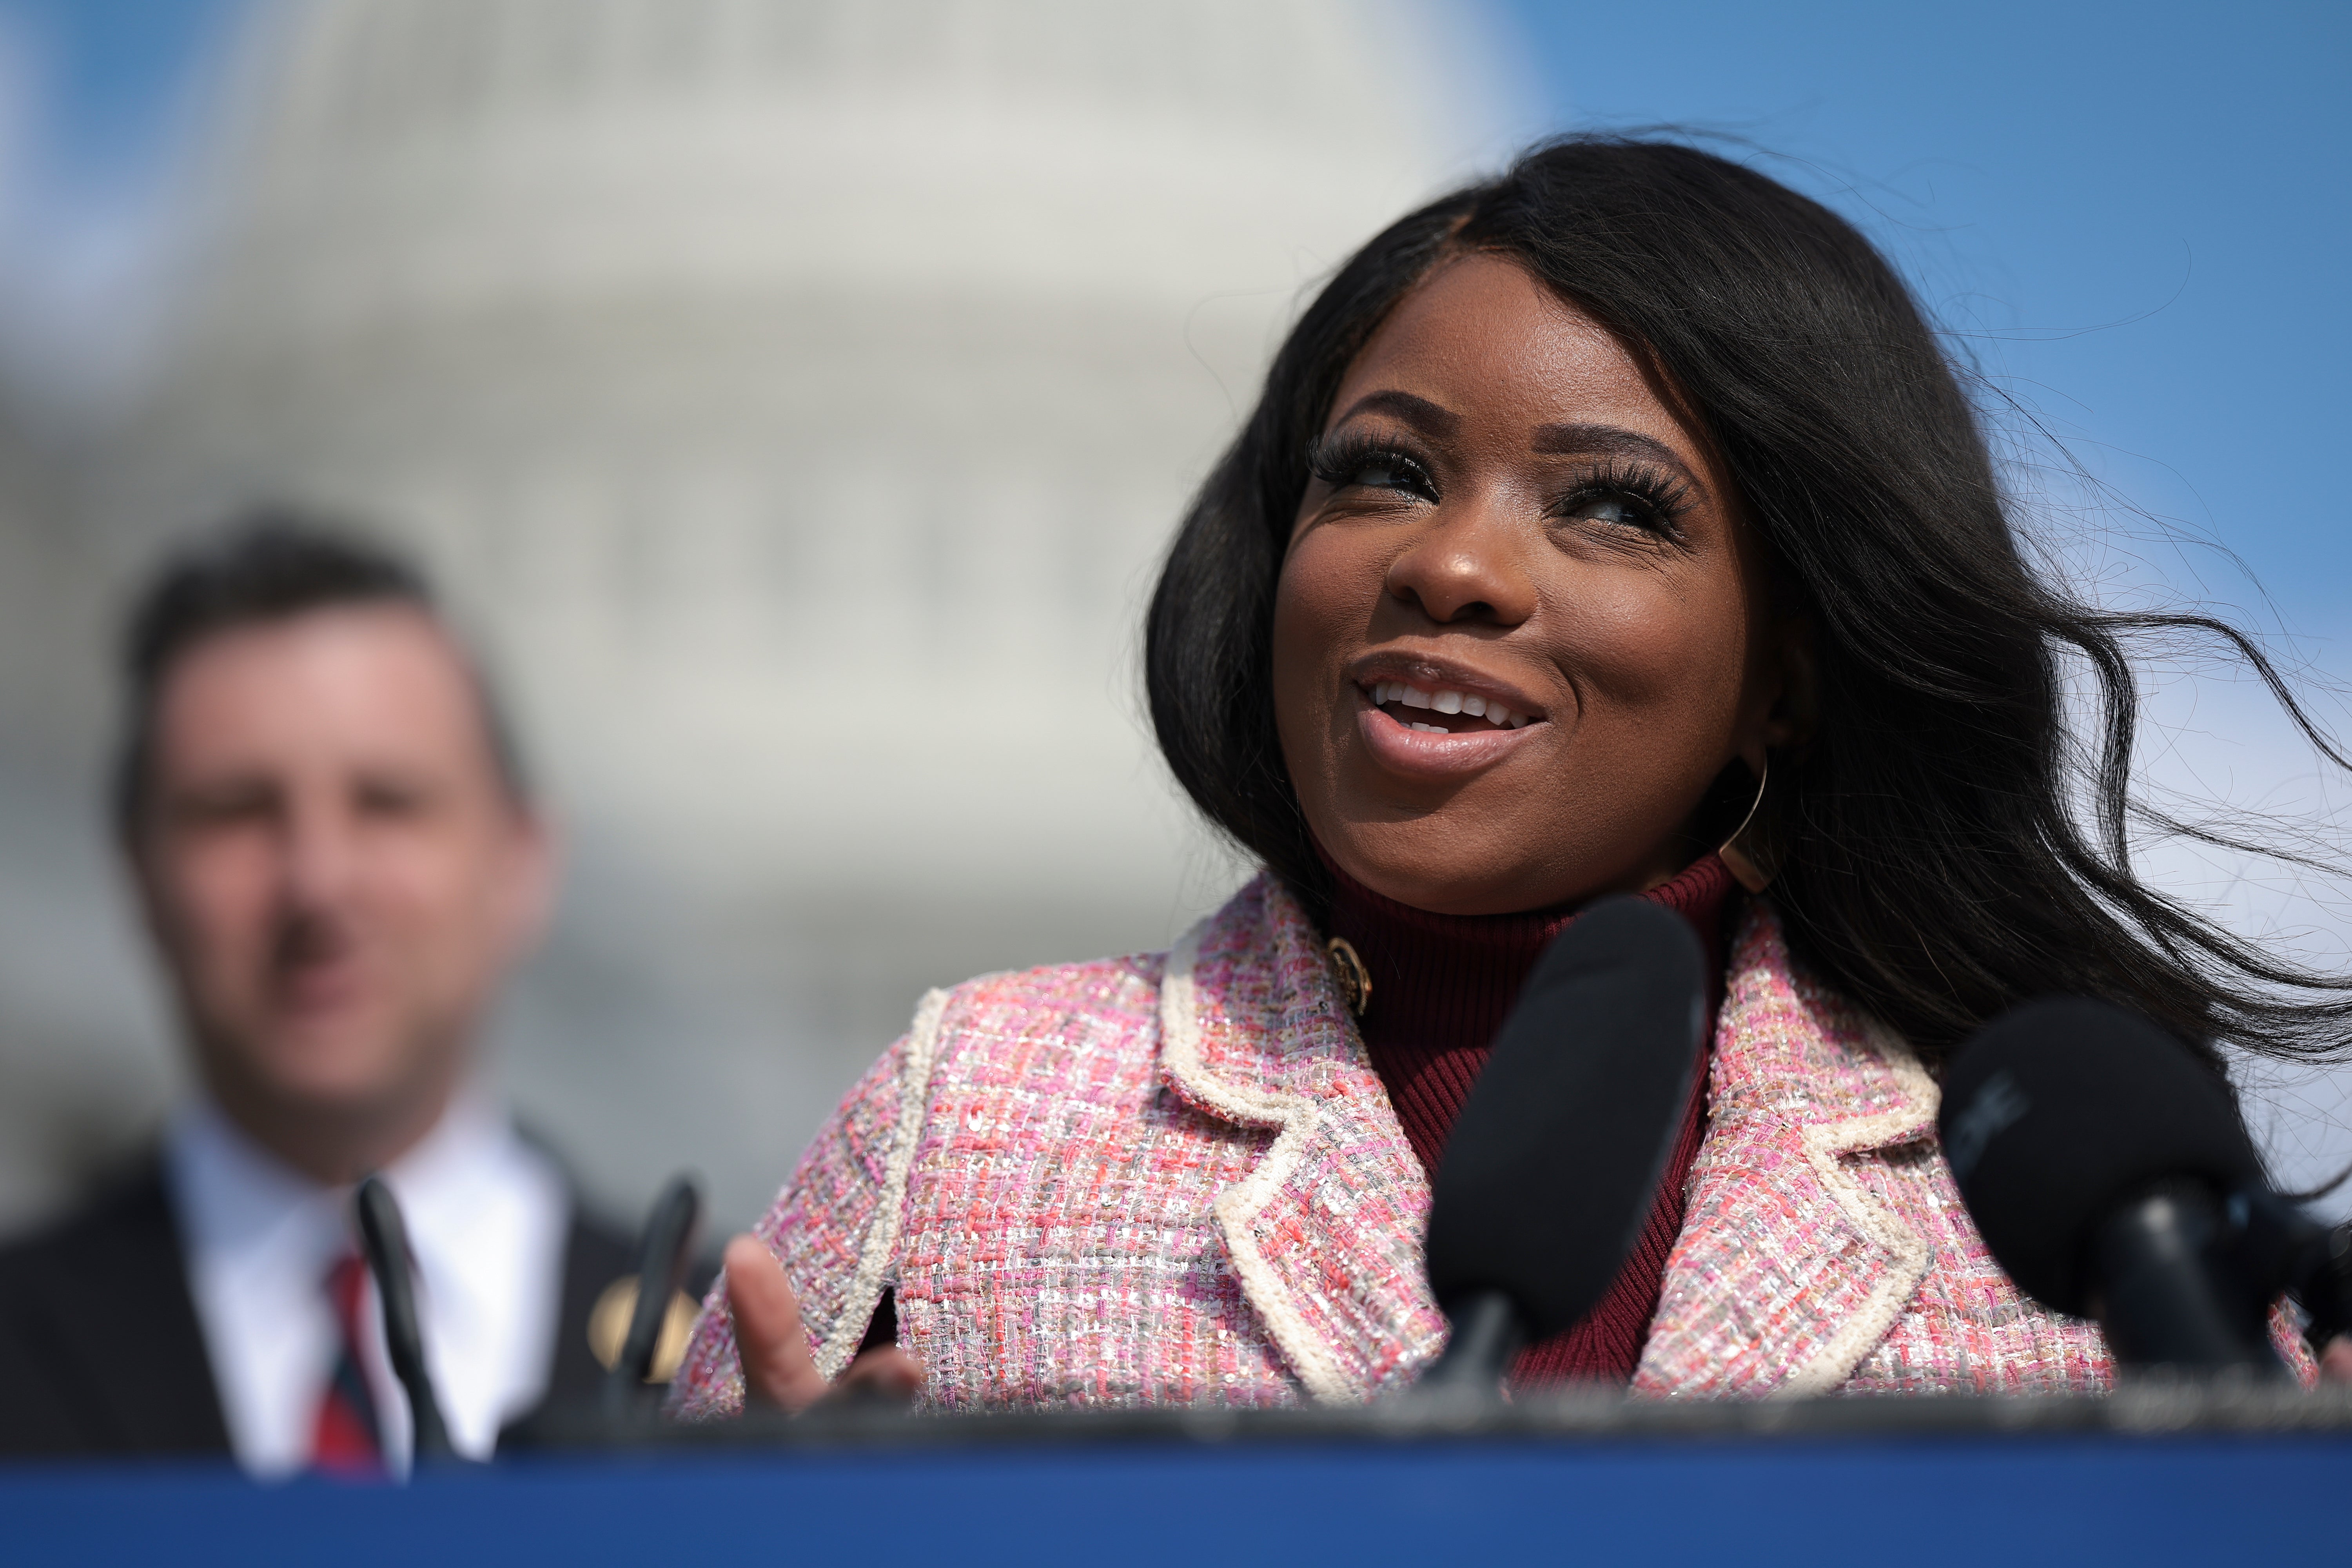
x=1554, y=1163
x=2056, y=1112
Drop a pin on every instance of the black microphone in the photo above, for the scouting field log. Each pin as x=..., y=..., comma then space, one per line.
x=1553, y=1165
x=661, y=1270
x=2111, y=1176
x=384, y=1239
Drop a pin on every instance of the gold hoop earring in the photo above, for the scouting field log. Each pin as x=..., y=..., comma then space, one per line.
x=1750, y=853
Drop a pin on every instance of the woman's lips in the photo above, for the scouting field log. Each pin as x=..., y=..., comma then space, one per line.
x=1424, y=753
x=1439, y=705
x=1413, y=685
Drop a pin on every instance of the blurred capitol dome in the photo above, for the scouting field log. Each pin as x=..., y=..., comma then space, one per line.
x=796, y=394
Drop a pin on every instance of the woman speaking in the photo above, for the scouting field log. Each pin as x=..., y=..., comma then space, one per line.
x=1616, y=526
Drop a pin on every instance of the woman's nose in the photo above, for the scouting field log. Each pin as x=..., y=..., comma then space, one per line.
x=1467, y=566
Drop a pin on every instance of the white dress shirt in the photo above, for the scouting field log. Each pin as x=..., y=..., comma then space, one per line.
x=488, y=1217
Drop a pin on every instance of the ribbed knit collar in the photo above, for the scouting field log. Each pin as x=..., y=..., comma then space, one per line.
x=1442, y=986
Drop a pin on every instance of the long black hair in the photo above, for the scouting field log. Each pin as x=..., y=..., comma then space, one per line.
x=1950, y=848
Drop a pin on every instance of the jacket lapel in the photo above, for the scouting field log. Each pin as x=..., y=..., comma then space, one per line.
x=103, y=1353
x=1792, y=1263
x=1325, y=1232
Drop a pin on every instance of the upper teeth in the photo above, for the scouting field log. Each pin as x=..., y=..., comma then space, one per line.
x=1493, y=712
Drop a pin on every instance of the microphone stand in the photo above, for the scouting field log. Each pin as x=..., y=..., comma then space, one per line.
x=1487, y=1333
x=385, y=1240
x=661, y=1268
x=2163, y=1302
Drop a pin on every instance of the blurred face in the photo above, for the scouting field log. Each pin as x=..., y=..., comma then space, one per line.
x=335, y=873
x=1521, y=627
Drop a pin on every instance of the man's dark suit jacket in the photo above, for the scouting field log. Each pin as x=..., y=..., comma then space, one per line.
x=100, y=1352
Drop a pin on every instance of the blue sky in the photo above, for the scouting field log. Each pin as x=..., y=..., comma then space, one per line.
x=2138, y=216
x=113, y=70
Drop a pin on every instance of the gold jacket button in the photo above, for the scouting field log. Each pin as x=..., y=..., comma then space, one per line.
x=1348, y=968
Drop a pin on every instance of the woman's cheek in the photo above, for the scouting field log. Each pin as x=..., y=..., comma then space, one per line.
x=1313, y=607
x=1296, y=722
x=1646, y=650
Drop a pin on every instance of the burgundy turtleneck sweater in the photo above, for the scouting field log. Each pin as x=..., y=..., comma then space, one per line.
x=1442, y=986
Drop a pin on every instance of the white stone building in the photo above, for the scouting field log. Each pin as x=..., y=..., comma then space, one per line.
x=795, y=395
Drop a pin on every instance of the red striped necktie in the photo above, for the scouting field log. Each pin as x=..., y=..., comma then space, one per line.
x=346, y=1439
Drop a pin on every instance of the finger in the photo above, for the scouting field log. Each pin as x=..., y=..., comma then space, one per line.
x=777, y=1367
x=884, y=1375
x=2335, y=1361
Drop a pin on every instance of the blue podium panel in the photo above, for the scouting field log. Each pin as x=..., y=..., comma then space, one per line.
x=2021, y=1500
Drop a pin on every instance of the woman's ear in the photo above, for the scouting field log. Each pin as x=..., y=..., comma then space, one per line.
x=1794, y=712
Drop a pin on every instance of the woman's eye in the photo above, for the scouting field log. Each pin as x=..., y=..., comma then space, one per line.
x=1370, y=470
x=1380, y=473
x=1618, y=511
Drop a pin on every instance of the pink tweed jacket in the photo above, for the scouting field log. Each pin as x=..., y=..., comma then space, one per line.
x=1176, y=1179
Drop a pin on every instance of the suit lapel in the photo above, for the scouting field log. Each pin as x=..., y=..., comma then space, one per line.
x=595, y=1258
x=1325, y=1232
x=1791, y=1265
x=112, y=1318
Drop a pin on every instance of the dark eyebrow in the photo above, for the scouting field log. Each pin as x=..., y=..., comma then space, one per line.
x=1418, y=411
x=1612, y=441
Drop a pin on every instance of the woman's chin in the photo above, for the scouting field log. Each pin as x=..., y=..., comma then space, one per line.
x=1423, y=867
x=1437, y=757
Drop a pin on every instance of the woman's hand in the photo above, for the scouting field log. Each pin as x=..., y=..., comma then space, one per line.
x=2335, y=1360
x=774, y=1348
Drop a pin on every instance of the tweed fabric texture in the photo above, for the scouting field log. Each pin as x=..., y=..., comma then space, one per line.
x=1825, y=1245
x=1177, y=1179
x=1092, y=1211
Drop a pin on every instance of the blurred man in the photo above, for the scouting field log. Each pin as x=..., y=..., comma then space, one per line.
x=339, y=861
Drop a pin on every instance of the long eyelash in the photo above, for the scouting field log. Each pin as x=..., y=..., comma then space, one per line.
x=1666, y=497
x=1337, y=460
